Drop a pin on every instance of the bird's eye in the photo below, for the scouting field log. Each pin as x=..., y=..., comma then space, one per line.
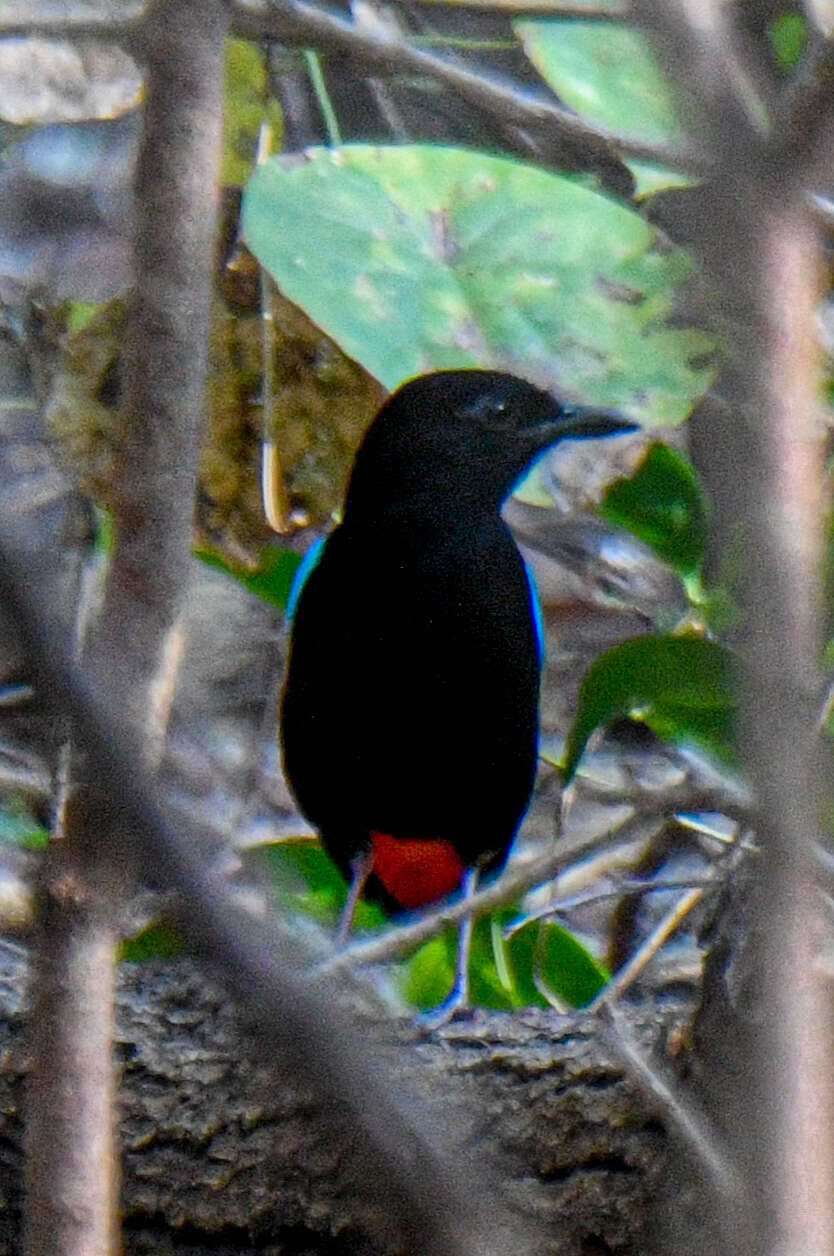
x=489, y=410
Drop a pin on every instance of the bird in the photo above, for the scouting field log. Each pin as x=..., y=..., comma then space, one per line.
x=409, y=711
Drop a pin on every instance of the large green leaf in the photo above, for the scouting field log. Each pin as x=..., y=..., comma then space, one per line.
x=682, y=687
x=420, y=257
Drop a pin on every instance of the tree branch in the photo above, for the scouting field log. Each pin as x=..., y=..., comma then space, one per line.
x=762, y=460
x=297, y=21
x=72, y=1160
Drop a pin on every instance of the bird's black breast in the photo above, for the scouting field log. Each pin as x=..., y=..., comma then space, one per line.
x=411, y=701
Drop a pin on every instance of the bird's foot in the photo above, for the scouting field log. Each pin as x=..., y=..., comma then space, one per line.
x=456, y=1006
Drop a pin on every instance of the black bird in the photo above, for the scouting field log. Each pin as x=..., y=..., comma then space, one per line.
x=409, y=716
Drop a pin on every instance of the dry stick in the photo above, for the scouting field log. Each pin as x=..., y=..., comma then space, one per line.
x=71, y=1173
x=626, y=889
x=538, y=8
x=699, y=45
x=451, y=1209
x=765, y=472
x=784, y=644
x=592, y=870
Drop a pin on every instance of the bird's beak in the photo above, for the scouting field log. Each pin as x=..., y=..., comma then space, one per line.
x=589, y=422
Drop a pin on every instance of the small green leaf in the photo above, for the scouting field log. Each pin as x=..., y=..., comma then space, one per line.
x=428, y=976
x=307, y=881
x=18, y=827
x=607, y=72
x=271, y=580
x=566, y=972
x=650, y=178
x=514, y=959
x=80, y=314
x=158, y=940
x=500, y=973
x=788, y=36
x=247, y=104
x=664, y=505
x=682, y=687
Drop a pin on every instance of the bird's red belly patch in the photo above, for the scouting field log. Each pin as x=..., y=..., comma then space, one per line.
x=416, y=871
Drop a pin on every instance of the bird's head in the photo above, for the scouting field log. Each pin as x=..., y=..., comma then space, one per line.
x=466, y=436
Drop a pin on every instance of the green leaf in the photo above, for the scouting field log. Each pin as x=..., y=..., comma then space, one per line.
x=682, y=687
x=788, y=36
x=272, y=578
x=18, y=827
x=246, y=105
x=566, y=971
x=307, y=881
x=664, y=505
x=650, y=178
x=428, y=976
x=157, y=941
x=607, y=72
x=500, y=972
x=514, y=959
x=80, y=314
x=419, y=257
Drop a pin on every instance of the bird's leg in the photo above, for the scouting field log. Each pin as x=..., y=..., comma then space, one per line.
x=460, y=990
x=458, y=998
x=360, y=869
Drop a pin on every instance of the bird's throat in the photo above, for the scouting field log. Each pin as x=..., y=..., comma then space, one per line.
x=416, y=871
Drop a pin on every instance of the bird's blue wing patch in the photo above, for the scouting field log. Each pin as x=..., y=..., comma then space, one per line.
x=308, y=562
x=535, y=609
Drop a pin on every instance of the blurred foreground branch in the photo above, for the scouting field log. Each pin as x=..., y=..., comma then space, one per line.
x=760, y=450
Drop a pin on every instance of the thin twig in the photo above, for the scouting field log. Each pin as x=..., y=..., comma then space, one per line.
x=563, y=10
x=626, y=889
x=592, y=869
x=134, y=646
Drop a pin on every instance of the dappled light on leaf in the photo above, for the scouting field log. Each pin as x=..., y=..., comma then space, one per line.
x=419, y=257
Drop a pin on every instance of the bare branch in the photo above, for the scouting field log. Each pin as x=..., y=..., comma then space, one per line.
x=802, y=129
x=700, y=51
x=72, y=1162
